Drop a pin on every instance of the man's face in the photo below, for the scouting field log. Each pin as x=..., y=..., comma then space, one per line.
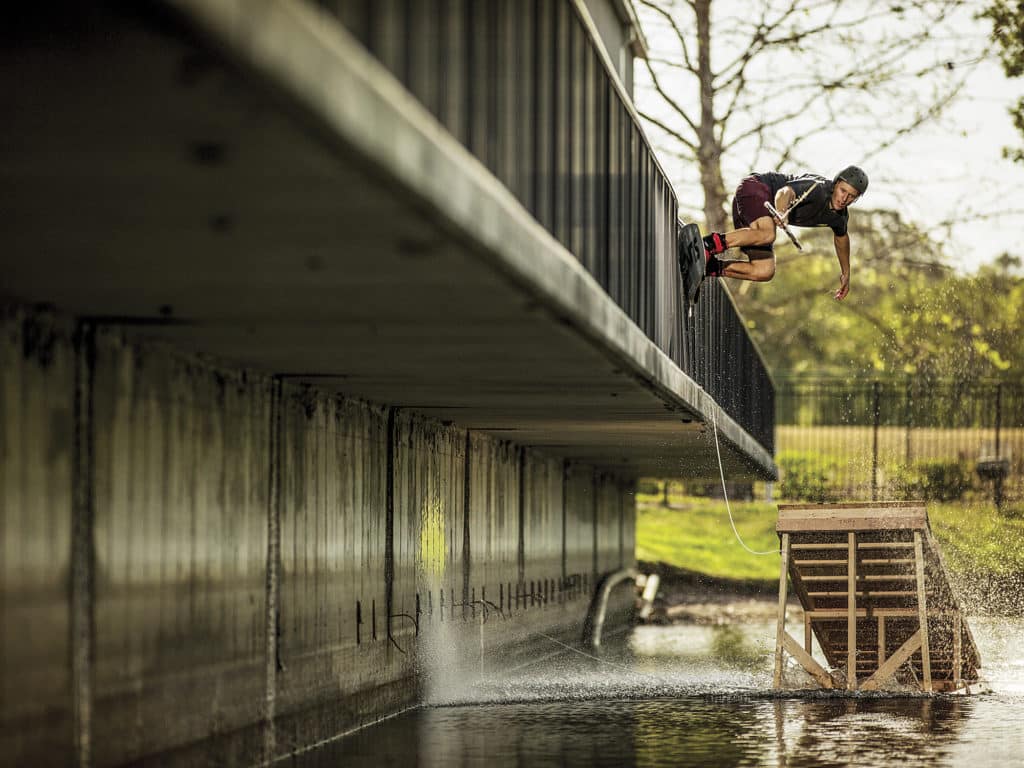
x=842, y=195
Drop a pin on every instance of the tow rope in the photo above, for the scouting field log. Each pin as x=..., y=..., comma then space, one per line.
x=725, y=493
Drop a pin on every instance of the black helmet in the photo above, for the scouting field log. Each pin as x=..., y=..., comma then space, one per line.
x=853, y=176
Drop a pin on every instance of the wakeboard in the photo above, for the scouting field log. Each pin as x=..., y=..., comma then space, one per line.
x=692, y=262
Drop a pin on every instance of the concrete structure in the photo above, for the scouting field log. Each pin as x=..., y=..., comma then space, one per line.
x=291, y=378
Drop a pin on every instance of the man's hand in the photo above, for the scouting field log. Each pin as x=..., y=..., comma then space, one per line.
x=844, y=286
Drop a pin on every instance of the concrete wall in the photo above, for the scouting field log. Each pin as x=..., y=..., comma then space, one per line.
x=203, y=563
x=37, y=428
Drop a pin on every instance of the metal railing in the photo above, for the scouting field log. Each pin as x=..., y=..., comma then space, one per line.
x=942, y=440
x=524, y=85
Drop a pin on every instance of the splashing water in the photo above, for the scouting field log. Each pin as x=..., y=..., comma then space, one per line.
x=688, y=695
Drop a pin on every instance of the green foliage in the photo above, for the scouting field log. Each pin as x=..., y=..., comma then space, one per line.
x=906, y=313
x=807, y=476
x=935, y=481
x=976, y=539
x=646, y=486
x=1013, y=511
x=1007, y=19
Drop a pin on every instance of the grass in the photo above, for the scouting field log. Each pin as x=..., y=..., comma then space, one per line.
x=977, y=540
x=695, y=534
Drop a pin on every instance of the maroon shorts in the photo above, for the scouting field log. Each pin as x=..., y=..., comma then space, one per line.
x=748, y=207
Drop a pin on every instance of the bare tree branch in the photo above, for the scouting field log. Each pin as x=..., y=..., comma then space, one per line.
x=675, y=27
x=670, y=101
x=670, y=131
x=860, y=66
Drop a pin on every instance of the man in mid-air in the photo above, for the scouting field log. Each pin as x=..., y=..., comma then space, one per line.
x=802, y=201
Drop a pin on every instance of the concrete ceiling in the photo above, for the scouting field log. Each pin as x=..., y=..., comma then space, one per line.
x=152, y=181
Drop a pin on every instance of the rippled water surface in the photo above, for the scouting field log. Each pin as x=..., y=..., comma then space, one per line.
x=697, y=696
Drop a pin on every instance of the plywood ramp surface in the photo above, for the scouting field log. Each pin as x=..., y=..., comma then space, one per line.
x=876, y=595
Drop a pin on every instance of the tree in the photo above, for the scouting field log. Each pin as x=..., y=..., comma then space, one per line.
x=1008, y=33
x=870, y=73
x=910, y=316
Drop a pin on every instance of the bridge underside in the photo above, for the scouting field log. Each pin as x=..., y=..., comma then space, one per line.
x=326, y=230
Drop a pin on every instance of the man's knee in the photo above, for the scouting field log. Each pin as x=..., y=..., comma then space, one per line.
x=764, y=231
x=763, y=270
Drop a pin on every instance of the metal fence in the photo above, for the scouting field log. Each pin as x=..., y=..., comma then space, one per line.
x=944, y=440
x=524, y=85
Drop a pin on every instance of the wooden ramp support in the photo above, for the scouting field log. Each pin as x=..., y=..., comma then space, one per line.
x=876, y=596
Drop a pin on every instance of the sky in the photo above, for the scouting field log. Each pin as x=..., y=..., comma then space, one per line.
x=952, y=170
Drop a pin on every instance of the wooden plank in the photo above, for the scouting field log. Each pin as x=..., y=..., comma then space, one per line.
x=887, y=561
x=869, y=577
x=826, y=545
x=807, y=633
x=881, y=640
x=957, y=650
x=853, y=514
x=780, y=629
x=894, y=662
x=881, y=505
x=804, y=525
x=922, y=606
x=897, y=613
x=851, y=616
x=873, y=593
x=798, y=585
x=814, y=669
x=840, y=613
x=819, y=563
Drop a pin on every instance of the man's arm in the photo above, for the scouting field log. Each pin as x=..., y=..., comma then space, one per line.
x=783, y=199
x=843, y=254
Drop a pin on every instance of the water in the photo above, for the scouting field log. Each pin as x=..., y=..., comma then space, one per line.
x=690, y=695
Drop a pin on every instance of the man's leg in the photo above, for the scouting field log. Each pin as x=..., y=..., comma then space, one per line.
x=760, y=234
x=755, y=240
x=754, y=233
x=760, y=268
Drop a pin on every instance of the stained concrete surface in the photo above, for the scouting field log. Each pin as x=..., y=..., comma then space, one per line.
x=276, y=199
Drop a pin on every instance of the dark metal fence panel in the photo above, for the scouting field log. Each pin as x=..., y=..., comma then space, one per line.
x=943, y=440
x=563, y=125
x=524, y=85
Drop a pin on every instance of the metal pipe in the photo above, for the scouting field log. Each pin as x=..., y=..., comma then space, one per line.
x=599, y=606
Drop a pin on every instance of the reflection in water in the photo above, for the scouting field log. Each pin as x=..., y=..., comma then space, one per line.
x=907, y=731
x=698, y=696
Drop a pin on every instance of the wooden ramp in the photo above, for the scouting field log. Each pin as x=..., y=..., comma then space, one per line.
x=876, y=596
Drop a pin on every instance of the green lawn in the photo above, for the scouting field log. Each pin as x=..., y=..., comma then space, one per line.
x=976, y=539
x=696, y=535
